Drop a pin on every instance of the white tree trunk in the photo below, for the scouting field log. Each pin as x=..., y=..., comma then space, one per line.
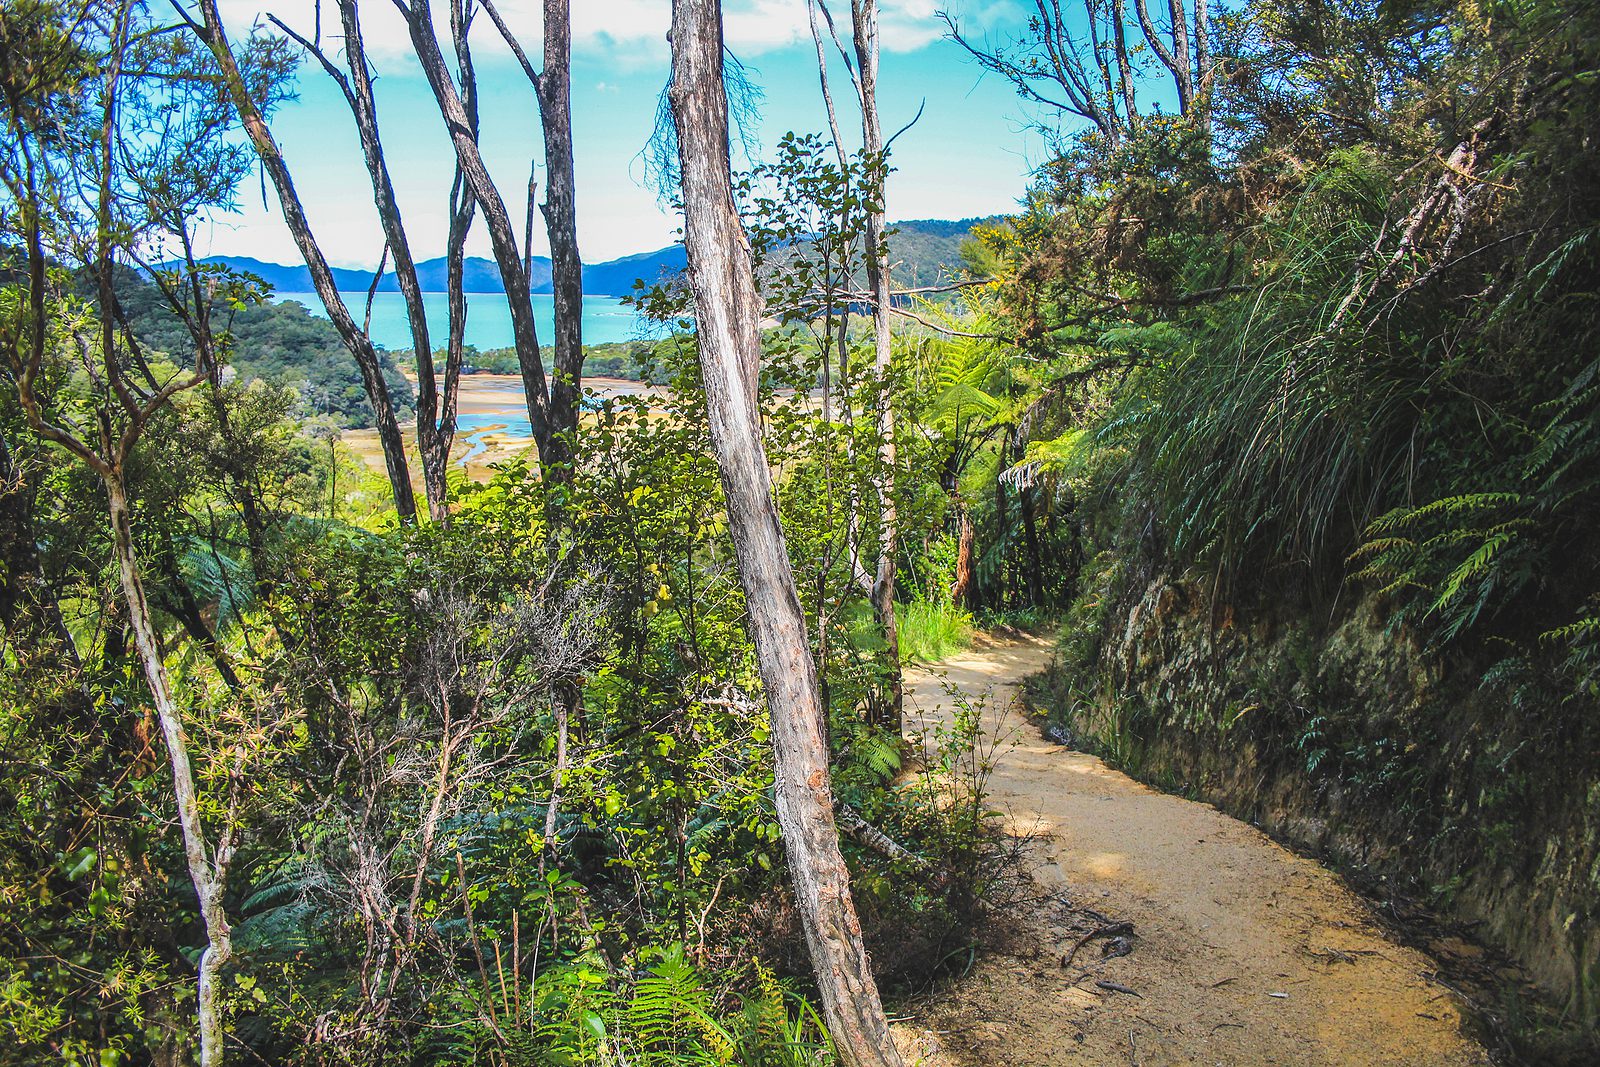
x=206, y=872
x=864, y=22
x=728, y=312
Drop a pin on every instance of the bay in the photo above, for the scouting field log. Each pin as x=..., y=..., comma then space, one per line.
x=605, y=319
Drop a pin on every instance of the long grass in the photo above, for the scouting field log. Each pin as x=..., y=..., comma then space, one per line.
x=930, y=632
x=1274, y=438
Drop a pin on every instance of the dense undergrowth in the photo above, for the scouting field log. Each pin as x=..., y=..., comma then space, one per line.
x=421, y=874
x=494, y=787
x=1324, y=401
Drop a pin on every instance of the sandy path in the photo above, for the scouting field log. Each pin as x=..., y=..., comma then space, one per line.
x=1224, y=919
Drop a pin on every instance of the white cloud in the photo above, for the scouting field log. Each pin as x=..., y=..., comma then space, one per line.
x=602, y=24
x=597, y=25
x=756, y=26
x=629, y=31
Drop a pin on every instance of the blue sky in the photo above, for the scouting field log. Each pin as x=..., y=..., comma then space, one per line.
x=970, y=154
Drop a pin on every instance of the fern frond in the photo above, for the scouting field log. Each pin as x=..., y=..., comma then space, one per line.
x=1475, y=566
x=1583, y=629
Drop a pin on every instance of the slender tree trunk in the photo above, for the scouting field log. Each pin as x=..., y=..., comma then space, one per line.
x=1107, y=89
x=1125, y=83
x=1030, y=535
x=215, y=38
x=205, y=871
x=554, y=89
x=1177, y=64
x=463, y=210
x=1002, y=520
x=1182, y=51
x=1202, y=64
x=728, y=311
x=502, y=234
x=864, y=19
x=433, y=438
x=961, y=587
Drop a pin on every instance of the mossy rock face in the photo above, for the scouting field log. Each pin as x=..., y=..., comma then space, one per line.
x=1434, y=779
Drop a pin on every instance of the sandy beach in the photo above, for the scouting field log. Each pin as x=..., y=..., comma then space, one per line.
x=490, y=394
x=493, y=424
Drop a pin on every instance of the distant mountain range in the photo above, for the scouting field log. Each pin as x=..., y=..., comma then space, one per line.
x=924, y=249
x=612, y=278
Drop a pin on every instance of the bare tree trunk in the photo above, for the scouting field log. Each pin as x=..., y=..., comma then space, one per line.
x=961, y=588
x=864, y=19
x=206, y=872
x=434, y=437
x=1185, y=55
x=212, y=33
x=1202, y=64
x=728, y=311
x=1102, y=65
x=834, y=339
x=435, y=429
x=502, y=233
x=554, y=88
x=1177, y=63
x=463, y=210
x=1030, y=540
x=1002, y=520
x=1125, y=84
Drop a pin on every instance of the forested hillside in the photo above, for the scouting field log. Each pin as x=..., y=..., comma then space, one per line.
x=283, y=345
x=1276, y=407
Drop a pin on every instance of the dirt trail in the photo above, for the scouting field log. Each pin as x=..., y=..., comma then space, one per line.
x=1243, y=952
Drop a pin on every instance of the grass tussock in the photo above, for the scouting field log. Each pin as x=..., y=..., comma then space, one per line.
x=930, y=632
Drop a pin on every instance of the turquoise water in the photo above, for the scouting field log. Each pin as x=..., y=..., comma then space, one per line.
x=605, y=319
x=511, y=419
x=470, y=430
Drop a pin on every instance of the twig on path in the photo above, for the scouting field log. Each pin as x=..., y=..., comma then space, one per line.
x=1091, y=913
x=1117, y=929
x=1341, y=955
x=1117, y=987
